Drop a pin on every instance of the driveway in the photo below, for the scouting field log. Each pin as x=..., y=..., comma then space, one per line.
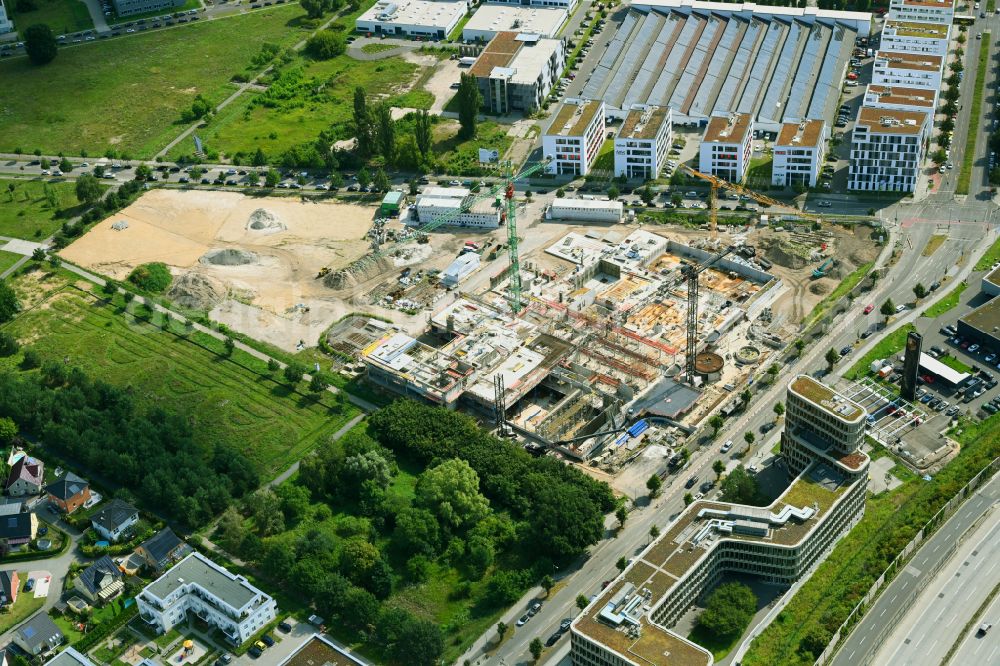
x=42, y=581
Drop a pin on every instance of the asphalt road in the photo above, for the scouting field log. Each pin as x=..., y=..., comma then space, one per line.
x=866, y=637
x=976, y=649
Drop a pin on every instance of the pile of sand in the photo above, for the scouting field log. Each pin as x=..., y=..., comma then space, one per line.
x=195, y=291
x=785, y=253
x=229, y=257
x=819, y=288
x=264, y=220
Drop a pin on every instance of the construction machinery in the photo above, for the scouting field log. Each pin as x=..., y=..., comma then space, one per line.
x=690, y=273
x=822, y=269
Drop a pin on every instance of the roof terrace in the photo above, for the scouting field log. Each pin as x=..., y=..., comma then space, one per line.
x=823, y=396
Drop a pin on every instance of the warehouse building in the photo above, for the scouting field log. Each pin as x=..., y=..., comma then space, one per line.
x=927, y=11
x=798, y=154
x=431, y=19
x=777, y=64
x=914, y=37
x=568, y=5
x=983, y=325
x=990, y=284
x=628, y=623
x=887, y=149
x=585, y=210
x=726, y=145
x=574, y=137
x=643, y=142
x=459, y=204
x=900, y=98
x=516, y=71
x=492, y=19
x=910, y=70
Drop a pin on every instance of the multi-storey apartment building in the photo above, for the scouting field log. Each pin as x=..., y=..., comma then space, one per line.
x=213, y=594
x=574, y=137
x=627, y=625
x=900, y=98
x=798, y=154
x=887, y=149
x=643, y=142
x=916, y=37
x=930, y=11
x=130, y=7
x=516, y=71
x=725, y=147
x=911, y=70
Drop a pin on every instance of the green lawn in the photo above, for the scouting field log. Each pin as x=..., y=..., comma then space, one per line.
x=969, y=153
x=8, y=259
x=69, y=628
x=461, y=157
x=946, y=303
x=954, y=363
x=62, y=16
x=26, y=212
x=991, y=257
x=25, y=606
x=376, y=47
x=229, y=401
x=886, y=348
x=127, y=94
x=719, y=647
x=308, y=98
x=759, y=173
x=605, y=160
x=846, y=285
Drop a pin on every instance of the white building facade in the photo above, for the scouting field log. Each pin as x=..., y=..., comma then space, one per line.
x=928, y=11
x=910, y=70
x=568, y=5
x=899, y=98
x=433, y=19
x=585, y=210
x=798, y=154
x=492, y=19
x=455, y=202
x=643, y=142
x=220, y=598
x=914, y=37
x=887, y=149
x=726, y=145
x=574, y=138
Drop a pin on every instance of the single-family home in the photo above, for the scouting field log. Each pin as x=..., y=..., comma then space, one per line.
x=114, y=519
x=101, y=581
x=26, y=477
x=38, y=635
x=9, y=585
x=69, y=657
x=69, y=492
x=18, y=530
x=163, y=549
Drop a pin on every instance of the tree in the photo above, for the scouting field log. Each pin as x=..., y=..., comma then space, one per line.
x=621, y=563
x=613, y=193
x=653, y=485
x=272, y=178
x=417, y=531
x=38, y=254
x=779, y=409
x=469, y=102
x=364, y=178
x=728, y=610
x=501, y=631
x=363, y=129
x=745, y=396
x=385, y=133
x=718, y=467
x=535, y=647
x=422, y=132
x=749, y=438
x=831, y=357
x=560, y=193
x=267, y=514
x=88, y=189
x=272, y=365
x=582, y=601
x=326, y=44
x=381, y=181
x=688, y=498
x=9, y=303
x=647, y=195
x=676, y=198
x=654, y=531
x=741, y=487
x=919, y=290
x=621, y=513
x=716, y=422
x=799, y=345
x=314, y=8
x=8, y=430
x=40, y=44
x=230, y=345
x=317, y=384
x=888, y=309
x=143, y=172
x=547, y=584
x=451, y=491
x=294, y=372
x=230, y=529
x=65, y=165
x=259, y=158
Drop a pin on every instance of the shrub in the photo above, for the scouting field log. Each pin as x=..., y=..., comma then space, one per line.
x=153, y=278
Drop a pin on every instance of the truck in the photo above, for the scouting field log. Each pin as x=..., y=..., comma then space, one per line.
x=466, y=61
x=821, y=270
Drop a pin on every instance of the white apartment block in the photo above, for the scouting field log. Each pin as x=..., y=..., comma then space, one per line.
x=927, y=11
x=798, y=154
x=585, y=210
x=220, y=598
x=899, y=98
x=916, y=37
x=574, y=137
x=643, y=142
x=568, y=5
x=911, y=70
x=434, y=19
x=458, y=204
x=6, y=25
x=516, y=71
x=887, y=149
x=725, y=147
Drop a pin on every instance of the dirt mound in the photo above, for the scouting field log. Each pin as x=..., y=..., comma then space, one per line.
x=229, y=257
x=819, y=288
x=264, y=220
x=785, y=253
x=363, y=269
x=195, y=291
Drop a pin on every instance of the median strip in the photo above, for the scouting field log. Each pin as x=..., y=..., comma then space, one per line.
x=969, y=156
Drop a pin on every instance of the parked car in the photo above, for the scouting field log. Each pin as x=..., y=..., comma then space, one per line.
x=553, y=639
x=523, y=620
x=284, y=627
x=725, y=447
x=255, y=652
x=690, y=482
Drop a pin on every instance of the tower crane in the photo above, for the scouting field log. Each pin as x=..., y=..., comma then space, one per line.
x=690, y=273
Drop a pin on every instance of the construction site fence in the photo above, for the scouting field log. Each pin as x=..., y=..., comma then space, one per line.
x=903, y=607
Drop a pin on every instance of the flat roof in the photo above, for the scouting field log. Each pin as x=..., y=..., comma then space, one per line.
x=574, y=119
x=592, y=204
x=318, y=651
x=544, y=21
x=725, y=7
x=728, y=129
x=921, y=62
x=529, y=62
x=985, y=318
x=424, y=13
x=928, y=3
x=644, y=123
x=823, y=396
x=900, y=95
x=498, y=53
x=945, y=372
x=892, y=121
x=917, y=29
x=993, y=277
x=199, y=570
x=807, y=133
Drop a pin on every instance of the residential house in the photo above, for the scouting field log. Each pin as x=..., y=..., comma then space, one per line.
x=69, y=492
x=887, y=149
x=101, y=581
x=26, y=477
x=38, y=635
x=162, y=550
x=69, y=657
x=18, y=530
x=10, y=583
x=114, y=519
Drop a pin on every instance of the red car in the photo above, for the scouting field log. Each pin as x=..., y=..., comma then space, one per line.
x=869, y=308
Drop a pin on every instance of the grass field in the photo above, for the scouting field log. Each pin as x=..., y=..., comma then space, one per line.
x=376, y=47
x=846, y=285
x=7, y=259
x=229, y=400
x=309, y=98
x=991, y=257
x=759, y=173
x=969, y=154
x=25, y=606
x=886, y=347
x=462, y=157
x=936, y=241
x=25, y=212
x=954, y=363
x=946, y=303
x=127, y=94
x=62, y=16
